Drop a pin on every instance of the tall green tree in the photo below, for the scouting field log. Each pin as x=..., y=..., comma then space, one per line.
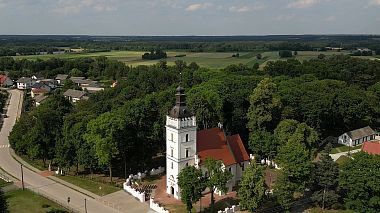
x=104, y=134
x=295, y=161
x=326, y=181
x=284, y=190
x=217, y=178
x=359, y=180
x=252, y=187
x=264, y=106
x=191, y=183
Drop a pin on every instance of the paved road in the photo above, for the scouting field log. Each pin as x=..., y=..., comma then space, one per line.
x=37, y=183
x=338, y=155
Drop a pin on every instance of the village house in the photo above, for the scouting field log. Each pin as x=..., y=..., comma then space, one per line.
x=24, y=83
x=39, y=99
x=186, y=146
x=357, y=137
x=60, y=78
x=5, y=81
x=75, y=95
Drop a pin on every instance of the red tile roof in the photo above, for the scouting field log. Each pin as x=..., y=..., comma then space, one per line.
x=3, y=78
x=35, y=90
x=371, y=148
x=213, y=143
x=238, y=148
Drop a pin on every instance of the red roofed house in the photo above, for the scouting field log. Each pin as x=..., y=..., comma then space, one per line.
x=372, y=148
x=187, y=146
x=5, y=81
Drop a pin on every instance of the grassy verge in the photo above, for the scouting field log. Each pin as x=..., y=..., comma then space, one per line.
x=319, y=210
x=342, y=148
x=342, y=159
x=100, y=189
x=4, y=183
x=27, y=202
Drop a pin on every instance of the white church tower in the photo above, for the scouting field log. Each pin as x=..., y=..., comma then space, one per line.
x=181, y=133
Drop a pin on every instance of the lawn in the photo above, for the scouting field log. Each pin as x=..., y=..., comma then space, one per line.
x=92, y=186
x=342, y=159
x=342, y=148
x=20, y=201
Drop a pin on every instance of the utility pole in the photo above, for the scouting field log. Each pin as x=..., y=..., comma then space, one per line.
x=85, y=205
x=22, y=178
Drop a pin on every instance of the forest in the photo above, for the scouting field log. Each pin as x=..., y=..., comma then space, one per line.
x=288, y=104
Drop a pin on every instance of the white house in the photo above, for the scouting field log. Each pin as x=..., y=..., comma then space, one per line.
x=357, y=137
x=75, y=95
x=186, y=146
x=24, y=83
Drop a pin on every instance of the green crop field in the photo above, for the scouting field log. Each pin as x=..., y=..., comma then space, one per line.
x=213, y=60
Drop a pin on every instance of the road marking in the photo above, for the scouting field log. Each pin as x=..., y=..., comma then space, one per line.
x=4, y=146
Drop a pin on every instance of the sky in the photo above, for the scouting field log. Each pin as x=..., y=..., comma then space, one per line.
x=185, y=17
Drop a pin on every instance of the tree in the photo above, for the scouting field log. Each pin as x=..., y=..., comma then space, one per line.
x=295, y=161
x=191, y=183
x=359, y=180
x=284, y=191
x=326, y=181
x=262, y=118
x=3, y=203
x=216, y=178
x=264, y=106
x=104, y=133
x=285, y=53
x=252, y=187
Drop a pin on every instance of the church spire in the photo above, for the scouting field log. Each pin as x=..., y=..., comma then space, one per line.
x=180, y=109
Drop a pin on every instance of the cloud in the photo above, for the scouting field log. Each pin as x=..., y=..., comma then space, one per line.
x=66, y=7
x=374, y=2
x=330, y=19
x=299, y=4
x=285, y=17
x=200, y=6
x=246, y=8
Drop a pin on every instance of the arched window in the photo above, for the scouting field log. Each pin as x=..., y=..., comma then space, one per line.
x=187, y=137
x=171, y=136
x=171, y=152
x=172, y=165
x=187, y=153
x=187, y=164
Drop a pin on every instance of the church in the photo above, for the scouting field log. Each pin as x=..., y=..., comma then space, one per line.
x=186, y=146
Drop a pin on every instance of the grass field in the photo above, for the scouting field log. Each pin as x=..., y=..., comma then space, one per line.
x=342, y=148
x=27, y=202
x=213, y=60
x=92, y=186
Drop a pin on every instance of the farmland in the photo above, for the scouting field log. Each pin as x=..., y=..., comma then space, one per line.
x=213, y=60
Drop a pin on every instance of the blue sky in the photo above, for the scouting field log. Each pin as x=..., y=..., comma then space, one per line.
x=183, y=17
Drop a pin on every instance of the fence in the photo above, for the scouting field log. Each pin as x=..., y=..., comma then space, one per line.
x=139, y=195
x=230, y=210
x=142, y=175
x=156, y=207
x=56, y=200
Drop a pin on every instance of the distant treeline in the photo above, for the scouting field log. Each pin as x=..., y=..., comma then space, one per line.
x=24, y=45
